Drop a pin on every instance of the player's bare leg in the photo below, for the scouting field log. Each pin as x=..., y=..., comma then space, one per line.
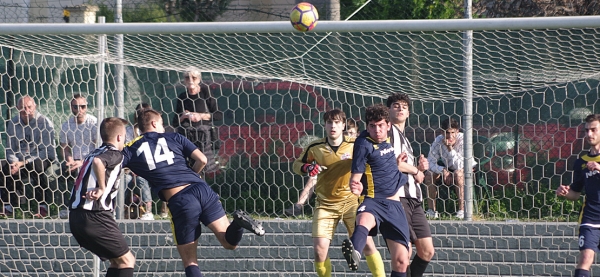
x=585, y=260
x=321, y=249
x=219, y=228
x=399, y=256
x=121, y=266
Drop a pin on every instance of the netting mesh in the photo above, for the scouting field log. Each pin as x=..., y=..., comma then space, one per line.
x=531, y=89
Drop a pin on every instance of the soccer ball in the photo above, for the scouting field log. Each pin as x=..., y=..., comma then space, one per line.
x=304, y=17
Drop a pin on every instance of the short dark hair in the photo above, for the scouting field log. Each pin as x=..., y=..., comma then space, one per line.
x=397, y=97
x=450, y=123
x=592, y=117
x=77, y=96
x=351, y=124
x=377, y=113
x=109, y=127
x=335, y=114
x=142, y=105
x=139, y=108
x=145, y=117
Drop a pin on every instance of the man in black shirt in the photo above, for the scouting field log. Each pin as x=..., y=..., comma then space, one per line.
x=196, y=110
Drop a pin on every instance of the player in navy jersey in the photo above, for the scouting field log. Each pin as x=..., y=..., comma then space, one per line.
x=160, y=158
x=92, y=201
x=376, y=175
x=586, y=176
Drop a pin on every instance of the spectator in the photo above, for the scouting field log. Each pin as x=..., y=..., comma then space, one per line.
x=30, y=150
x=446, y=162
x=78, y=135
x=196, y=110
x=132, y=180
x=296, y=209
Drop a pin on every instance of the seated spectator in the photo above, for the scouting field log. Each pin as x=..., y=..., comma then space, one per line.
x=196, y=110
x=30, y=150
x=78, y=138
x=131, y=179
x=446, y=163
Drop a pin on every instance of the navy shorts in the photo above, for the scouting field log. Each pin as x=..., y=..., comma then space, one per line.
x=389, y=217
x=98, y=232
x=415, y=216
x=194, y=204
x=589, y=238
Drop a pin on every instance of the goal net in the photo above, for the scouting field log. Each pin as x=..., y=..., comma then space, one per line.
x=531, y=91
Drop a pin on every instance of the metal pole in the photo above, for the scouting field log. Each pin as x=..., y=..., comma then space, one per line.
x=468, y=115
x=119, y=99
x=100, y=100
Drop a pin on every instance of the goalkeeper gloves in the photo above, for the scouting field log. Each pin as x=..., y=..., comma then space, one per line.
x=312, y=169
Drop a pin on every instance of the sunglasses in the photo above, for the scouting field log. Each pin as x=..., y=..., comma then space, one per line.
x=79, y=106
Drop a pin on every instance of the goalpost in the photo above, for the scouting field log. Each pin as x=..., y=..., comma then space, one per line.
x=533, y=80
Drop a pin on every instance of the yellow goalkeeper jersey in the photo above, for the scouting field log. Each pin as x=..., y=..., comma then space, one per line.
x=333, y=182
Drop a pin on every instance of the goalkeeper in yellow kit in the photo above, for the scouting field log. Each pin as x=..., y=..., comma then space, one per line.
x=331, y=159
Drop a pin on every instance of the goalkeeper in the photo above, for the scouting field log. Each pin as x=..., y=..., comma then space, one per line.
x=331, y=159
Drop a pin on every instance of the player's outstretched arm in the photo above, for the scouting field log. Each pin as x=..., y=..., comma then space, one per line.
x=200, y=160
x=566, y=192
x=356, y=186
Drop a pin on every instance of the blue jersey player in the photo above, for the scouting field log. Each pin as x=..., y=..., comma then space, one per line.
x=376, y=176
x=160, y=158
x=586, y=176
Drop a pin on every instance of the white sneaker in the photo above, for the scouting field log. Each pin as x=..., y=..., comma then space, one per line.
x=460, y=214
x=147, y=216
x=431, y=214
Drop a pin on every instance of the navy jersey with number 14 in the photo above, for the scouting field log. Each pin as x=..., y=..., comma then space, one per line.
x=160, y=158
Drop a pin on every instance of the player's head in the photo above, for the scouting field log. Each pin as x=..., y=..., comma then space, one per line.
x=450, y=127
x=150, y=120
x=399, y=106
x=138, y=109
x=351, y=128
x=112, y=130
x=378, y=122
x=191, y=79
x=27, y=108
x=592, y=129
x=79, y=106
x=335, y=123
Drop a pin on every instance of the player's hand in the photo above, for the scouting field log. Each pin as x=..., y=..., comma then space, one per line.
x=94, y=194
x=562, y=190
x=592, y=166
x=419, y=177
x=312, y=169
x=356, y=187
x=423, y=163
x=403, y=157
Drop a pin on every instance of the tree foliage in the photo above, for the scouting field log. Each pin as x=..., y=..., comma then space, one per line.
x=402, y=9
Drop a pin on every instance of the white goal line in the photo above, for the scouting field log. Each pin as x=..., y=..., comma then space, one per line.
x=520, y=23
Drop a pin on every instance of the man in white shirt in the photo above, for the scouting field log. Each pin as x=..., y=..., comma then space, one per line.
x=78, y=135
x=446, y=161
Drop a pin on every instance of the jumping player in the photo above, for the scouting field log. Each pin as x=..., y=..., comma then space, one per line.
x=586, y=176
x=335, y=201
x=375, y=168
x=161, y=159
x=92, y=201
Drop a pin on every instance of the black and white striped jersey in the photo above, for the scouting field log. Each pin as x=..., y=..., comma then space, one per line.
x=87, y=180
x=401, y=144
